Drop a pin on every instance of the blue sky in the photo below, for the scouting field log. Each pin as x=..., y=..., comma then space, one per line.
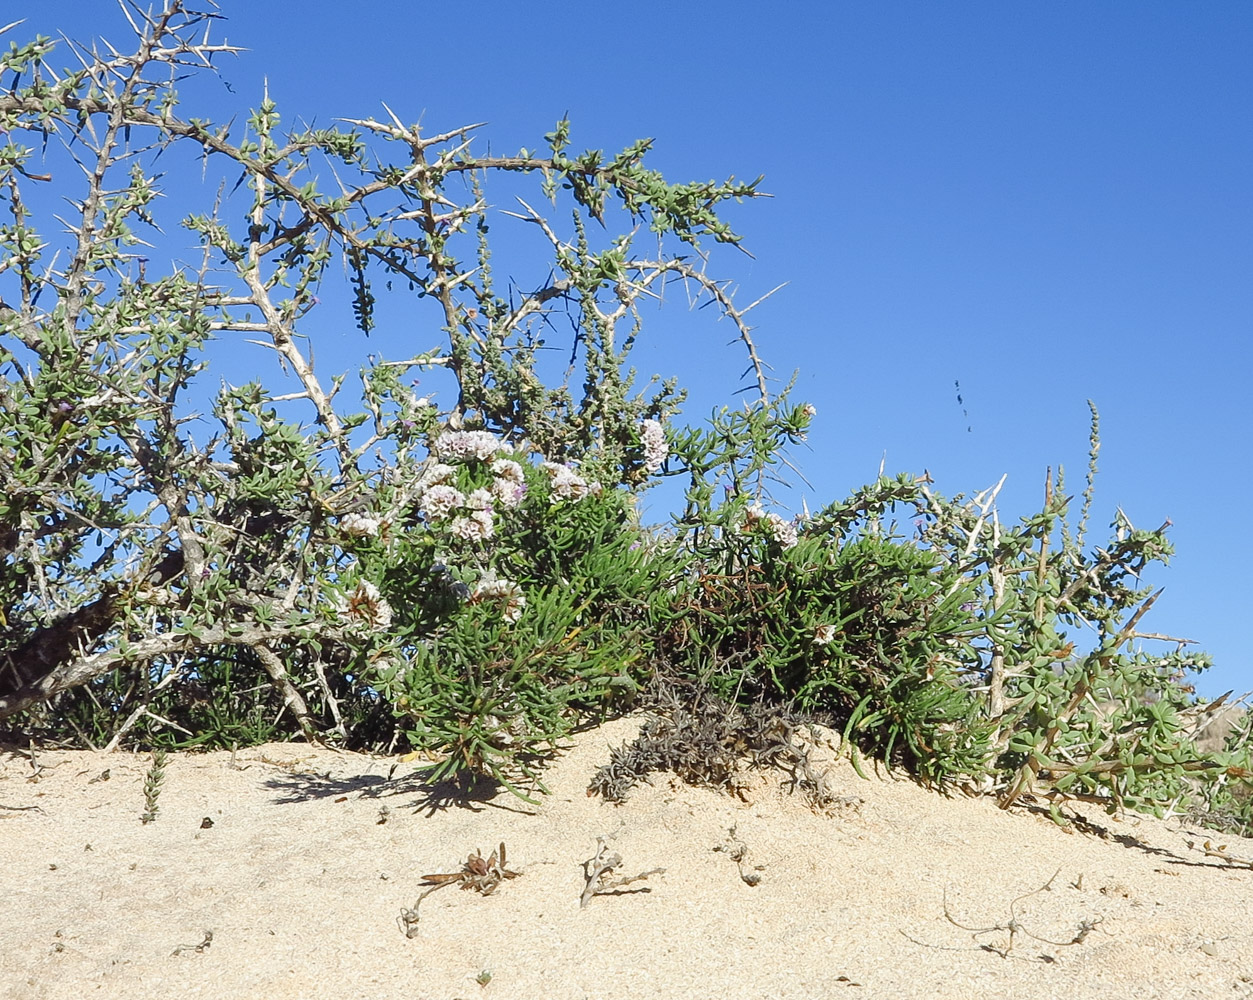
x=1047, y=203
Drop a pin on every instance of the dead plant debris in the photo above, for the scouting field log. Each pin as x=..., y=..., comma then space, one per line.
x=481, y=874
x=1014, y=927
x=710, y=742
x=738, y=852
x=199, y=949
x=598, y=871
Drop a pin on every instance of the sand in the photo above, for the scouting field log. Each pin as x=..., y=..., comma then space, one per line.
x=284, y=872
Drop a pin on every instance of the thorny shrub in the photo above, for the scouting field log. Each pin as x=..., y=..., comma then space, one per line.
x=472, y=578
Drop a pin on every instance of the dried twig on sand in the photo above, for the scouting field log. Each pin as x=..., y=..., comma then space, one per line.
x=598, y=869
x=1014, y=927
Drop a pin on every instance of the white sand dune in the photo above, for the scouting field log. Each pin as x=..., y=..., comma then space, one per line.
x=299, y=861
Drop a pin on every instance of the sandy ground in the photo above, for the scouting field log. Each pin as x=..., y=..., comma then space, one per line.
x=285, y=872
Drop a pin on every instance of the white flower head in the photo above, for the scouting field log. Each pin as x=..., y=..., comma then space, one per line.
x=440, y=501
x=565, y=482
x=509, y=493
x=476, y=526
x=509, y=486
x=479, y=500
x=365, y=607
x=507, y=468
x=782, y=531
x=461, y=446
x=433, y=474
x=359, y=526
x=824, y=635
x=506, y=592
x=655, y=447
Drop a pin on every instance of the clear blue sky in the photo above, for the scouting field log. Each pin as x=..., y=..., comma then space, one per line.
x=1047, y=202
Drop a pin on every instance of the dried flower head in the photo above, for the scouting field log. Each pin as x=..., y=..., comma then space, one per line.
x=365, y=607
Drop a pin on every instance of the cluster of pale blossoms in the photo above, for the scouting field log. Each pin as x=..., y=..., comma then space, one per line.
x=824, y=635
x=360, y=526
x=470, y=516
x=477, y=523
x=509, y=486
x=461, y=446
x=473, y=520
x=507, y=593
x=655, y=447
x=566, y=484
x=365, y=607
x=782, y=531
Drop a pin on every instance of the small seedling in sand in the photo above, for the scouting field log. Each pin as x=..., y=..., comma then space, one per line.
x=738, y=851
x=152, y=785
x=199, y=949
x=483, y=978
x=478, y=873
x=1210, y=850
x=598, y=869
